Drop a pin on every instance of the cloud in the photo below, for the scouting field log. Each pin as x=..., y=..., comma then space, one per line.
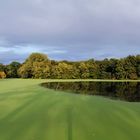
x=69, y=29
x=21, y=52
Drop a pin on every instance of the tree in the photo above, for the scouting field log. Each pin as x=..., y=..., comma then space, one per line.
x=104, y=69
x=138, y=65
x=25, y=71
x=130, y=67
x=64, y=71
x=2, y=67
x=84, y=71
x=92, y=69
x=12, y=70
x=126, y=68
x=120, y=70
x=2, y=75
x=41, y=70
x=36, y=66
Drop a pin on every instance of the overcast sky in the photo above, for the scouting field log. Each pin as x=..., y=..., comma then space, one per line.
x=69, y=29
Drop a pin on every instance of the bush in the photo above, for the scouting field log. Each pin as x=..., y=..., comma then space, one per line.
x=2, y=75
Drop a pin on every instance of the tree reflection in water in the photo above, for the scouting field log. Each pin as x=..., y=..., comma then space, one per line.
x=128, y=91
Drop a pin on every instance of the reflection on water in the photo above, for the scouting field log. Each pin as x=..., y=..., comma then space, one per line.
x=128, y=91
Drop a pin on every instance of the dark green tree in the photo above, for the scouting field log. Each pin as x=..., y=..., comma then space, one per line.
x=12, y=70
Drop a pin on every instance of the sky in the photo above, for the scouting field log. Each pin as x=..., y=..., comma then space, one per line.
x=69, y=29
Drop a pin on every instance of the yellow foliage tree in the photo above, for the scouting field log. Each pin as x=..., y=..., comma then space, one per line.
x=2, y=75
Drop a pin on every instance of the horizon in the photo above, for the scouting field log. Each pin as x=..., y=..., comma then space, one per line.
x=69, y=30
x=68, y=60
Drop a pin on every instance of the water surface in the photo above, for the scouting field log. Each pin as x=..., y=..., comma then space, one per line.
x=128, y=91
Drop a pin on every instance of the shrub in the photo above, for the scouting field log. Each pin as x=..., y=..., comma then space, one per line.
x=2, y=75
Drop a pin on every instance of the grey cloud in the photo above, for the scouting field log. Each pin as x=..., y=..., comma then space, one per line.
x=5, y=57
x=78, y=28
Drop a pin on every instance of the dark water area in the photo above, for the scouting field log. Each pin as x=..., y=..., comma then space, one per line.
x=127, y=91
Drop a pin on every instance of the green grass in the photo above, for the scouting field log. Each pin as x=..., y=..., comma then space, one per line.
x=31, y=112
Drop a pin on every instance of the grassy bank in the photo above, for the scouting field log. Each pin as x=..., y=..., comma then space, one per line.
x=92, y=80
x=31, y=112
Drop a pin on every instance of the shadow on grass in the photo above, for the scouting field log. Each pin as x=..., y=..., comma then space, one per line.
x=70, y=123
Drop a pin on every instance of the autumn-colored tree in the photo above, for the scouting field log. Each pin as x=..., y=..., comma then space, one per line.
x=63, y=71
x=92, y=69
x=36, y=66
x=41, y=70
x=2, y=75
x=84, y=71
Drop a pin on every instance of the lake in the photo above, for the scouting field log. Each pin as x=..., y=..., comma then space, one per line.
x=127, y=91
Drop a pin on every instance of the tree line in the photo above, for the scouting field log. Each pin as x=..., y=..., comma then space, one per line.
x=38, y=65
